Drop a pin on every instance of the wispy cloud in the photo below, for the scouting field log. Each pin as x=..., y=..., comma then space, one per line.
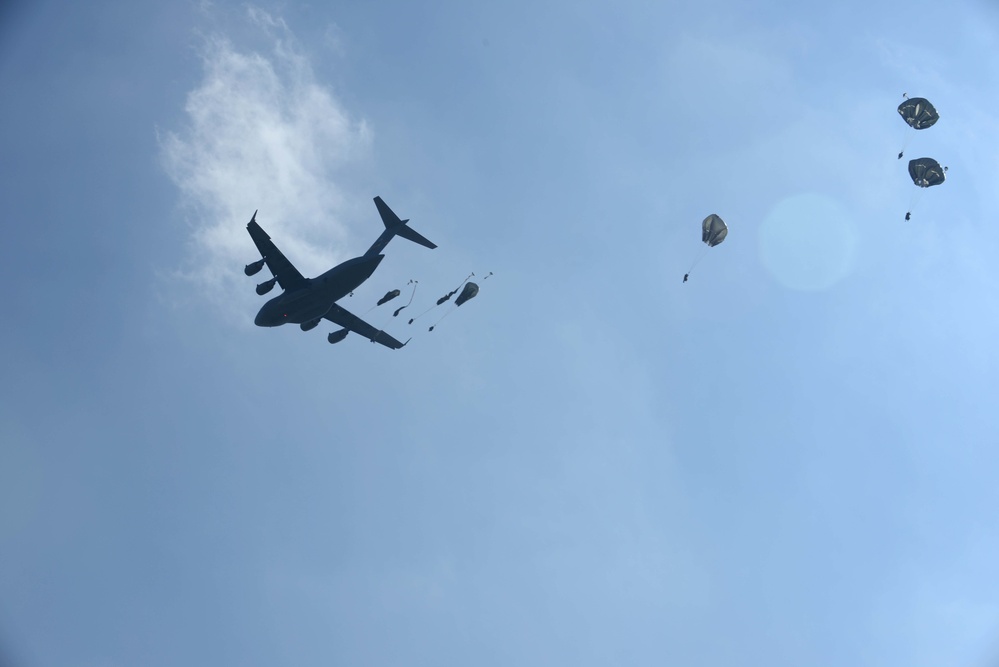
x=261, y=133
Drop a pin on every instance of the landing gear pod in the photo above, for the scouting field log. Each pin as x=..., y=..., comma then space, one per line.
x=311, y=324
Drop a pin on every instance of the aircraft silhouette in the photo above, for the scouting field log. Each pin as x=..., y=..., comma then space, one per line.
x=307, y=301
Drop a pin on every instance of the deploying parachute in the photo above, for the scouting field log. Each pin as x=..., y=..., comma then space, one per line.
x=444, y=298
x=398, y=310
x=713, y=231
x=389, y=296
x=918, y=114
x=469, y=292
x=925, y=172
x=466, y=291
x=471, y=289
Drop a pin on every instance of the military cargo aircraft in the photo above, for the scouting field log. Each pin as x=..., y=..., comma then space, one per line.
x=307, y=301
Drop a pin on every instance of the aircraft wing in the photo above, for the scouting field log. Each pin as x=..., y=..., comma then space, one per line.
x=285, y=272
x=347, y=320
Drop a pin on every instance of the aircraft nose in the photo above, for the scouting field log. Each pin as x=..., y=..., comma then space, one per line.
x=264, y=319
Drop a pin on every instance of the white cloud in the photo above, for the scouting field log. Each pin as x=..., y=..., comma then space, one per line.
x=261, y=133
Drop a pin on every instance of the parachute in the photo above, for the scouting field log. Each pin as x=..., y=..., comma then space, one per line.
x=469, y=292
x=918, y=113
x=444, y=298
x=925, y=172
x=471, y=289
x=713, y=231
x=389, y=296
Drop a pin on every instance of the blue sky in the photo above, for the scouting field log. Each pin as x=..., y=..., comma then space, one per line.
x=788, y=459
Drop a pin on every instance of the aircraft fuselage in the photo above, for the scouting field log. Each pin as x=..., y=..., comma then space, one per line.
x=314, y=299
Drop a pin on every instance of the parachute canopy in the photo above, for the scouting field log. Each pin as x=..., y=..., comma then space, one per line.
x=926, y=172
x=713, y=230
x=389, y=296
x=918, y=113
x=471, y=289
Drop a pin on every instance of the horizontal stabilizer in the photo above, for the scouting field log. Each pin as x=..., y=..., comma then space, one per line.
x=394, y=226
x=411, y=234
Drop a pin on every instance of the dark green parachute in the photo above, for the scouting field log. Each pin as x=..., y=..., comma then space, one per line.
x=918, y=113
x=471, y=289
x=467, y=293
x=713, y=230
x=389, y=296
x=926, y=172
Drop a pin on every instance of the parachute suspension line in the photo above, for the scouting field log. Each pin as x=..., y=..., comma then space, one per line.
x=697, y=259
x=467, y=278
x=905, y=143
x=913, y=201
x=442, y=318
x=413, y=319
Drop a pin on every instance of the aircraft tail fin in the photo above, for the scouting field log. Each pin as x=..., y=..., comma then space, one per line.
x=394, y=226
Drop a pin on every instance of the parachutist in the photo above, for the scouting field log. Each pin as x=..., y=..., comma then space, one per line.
x=431, y=328
x=713, y=231
x=908, y=215
x=899, y=156
x=411, y=320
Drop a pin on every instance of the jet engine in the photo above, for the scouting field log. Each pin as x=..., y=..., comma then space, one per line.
x=311, y=324
x=254, y=268
x=337, y=336
x=266, y=286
